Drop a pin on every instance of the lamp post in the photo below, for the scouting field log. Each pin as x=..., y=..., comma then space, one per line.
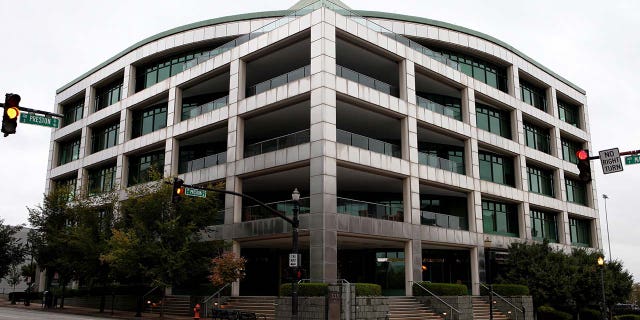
x=487, y=268
x=606, y=219
x=296, y=223
x=604, y=301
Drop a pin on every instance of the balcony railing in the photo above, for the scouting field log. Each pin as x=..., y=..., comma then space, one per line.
x=371, y=144
x=279, y=80
x=204, y=108
x=370, y=209
x=278, y=143
x=440, y=163
x=306, y=10
x=204, y=162
x=285, y=207
x=392, y=35
x=443, y=220
x=366, y=80
x=450, y=112
x=254, y=34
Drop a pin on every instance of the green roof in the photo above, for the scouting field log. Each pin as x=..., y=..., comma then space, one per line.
x=302, y=3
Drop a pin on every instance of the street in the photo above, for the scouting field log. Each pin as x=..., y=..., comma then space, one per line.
x=20, y=313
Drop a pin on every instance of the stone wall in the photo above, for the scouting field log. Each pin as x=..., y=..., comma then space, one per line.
x=524, y=303
x=120, y=302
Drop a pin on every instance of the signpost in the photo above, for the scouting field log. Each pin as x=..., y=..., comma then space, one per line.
x=635, y=159
x=32, y=118
x=294, y=260
x=610, y=160
x=193, y=192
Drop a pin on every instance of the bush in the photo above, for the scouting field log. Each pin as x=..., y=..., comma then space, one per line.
x=510, y=290
x=440, y=289
x=590, y=314
x=627, y=317
x=368, y=289
x=549, y=313
x=305, y=289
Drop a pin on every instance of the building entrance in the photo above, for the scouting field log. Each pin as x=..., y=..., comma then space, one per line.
x=384, y=267
x=447, y=266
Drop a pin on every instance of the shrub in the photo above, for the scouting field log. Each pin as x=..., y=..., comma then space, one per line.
x=628, y=317
x=510, y=290
x=590, y=314
x=368, y=289
x=440, y=289
x=549, y=313
x=305, y=289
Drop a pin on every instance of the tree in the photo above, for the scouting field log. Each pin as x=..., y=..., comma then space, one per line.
x=566, y=281
x=13, y=279
x=11, y=250
x=227, y=268
x=69, y=236
x=157, y=242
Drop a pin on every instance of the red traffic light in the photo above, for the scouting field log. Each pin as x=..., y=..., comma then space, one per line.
x=582, y=154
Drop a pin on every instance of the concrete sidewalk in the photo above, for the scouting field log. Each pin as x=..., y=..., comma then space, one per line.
x=117, y=314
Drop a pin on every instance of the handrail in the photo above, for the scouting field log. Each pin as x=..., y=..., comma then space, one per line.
x=440, y=299
x=249, y=146
x=209, y=298
x=499, y=296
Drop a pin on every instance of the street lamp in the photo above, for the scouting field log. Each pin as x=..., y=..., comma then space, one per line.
x=606, y=219
x=604, y=301
x=296, y=223
x=487, y=268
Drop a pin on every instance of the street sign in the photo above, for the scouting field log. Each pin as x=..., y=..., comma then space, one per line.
x=610, y=160
x=635, y=159
x=32, y=118
x=295, y=260
x=193, y=192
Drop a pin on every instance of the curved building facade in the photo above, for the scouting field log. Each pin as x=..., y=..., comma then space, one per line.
x=418, y=146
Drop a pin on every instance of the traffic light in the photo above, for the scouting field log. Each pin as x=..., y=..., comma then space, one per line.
x=11, y=113
x=584, y=165
x=178, y=190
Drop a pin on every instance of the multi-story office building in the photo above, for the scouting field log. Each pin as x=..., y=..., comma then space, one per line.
x=412, y=141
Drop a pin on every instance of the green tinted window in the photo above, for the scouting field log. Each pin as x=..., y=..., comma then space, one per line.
x=143, y=167
x=499, y=218
x=493, y=120
x=149, y=119
x=496, y=168
x=576, y=191
x=537, y=137
x=569, y=149
x=544, y=225
x=533, y=95
x=568, y=113
x=540, y=181
x=580, y=231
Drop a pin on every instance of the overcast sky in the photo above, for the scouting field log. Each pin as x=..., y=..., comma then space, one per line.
x=594, y=44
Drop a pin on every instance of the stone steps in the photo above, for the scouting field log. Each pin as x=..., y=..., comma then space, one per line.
x=409, y=308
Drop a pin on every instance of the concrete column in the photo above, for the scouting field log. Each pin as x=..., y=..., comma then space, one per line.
x=410, y=82
x=513, y=81
x=524, y=221
x=475, y=212
x=468, y=106
x=172, y=153
x=474, y=254
x=323, y=247
x=129, y=82
x=412, y=264
x=235, y=286
x=564, y=231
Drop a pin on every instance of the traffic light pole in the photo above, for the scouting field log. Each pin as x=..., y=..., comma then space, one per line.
x=45, y=113
x=625, y=153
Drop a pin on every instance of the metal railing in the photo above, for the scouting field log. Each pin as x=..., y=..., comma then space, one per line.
x=360, y=141
x=279, y=80
x=443, y=220
x=205, y=302
x=205, y=107
x=451, y=308
x=253, y=34
x=366, y=80
x=440, y=163
x=277, y=143
x=370, y=209
x=450, y=112
x=353, y=16
x=257, y=212
x=204, y=162
x=495, y=294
